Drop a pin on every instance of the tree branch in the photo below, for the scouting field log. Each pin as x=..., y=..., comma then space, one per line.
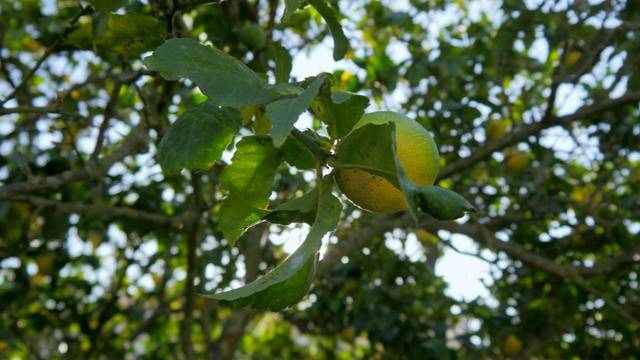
x=94, y=169
x=484, y=152
x=104, y=211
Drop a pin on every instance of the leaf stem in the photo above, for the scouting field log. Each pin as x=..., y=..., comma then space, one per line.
x=309, y=143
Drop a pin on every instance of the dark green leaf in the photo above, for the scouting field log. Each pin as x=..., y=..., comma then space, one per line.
x=302, y=209
x=284, y=63
x=224, y=79
x=341, y=43
x=128, y=34
x=100, y=23
x=290, y=7
x=339, y=111
x=289, y=282
x=442, y=204
x=284, y=113
x=198, y=138
x=297, y=154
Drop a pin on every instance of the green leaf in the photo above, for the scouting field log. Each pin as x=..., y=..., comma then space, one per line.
x=224, y=79
x=284, y=63
x=249, y=181
x=369, y=148
x=100, y=23
x=290, y=7
x=297, y=154
x=284, y=113
x=236, y=216
x=300, y=210
x=290, y=281
x=339, y=111
x=251, y=172
x=128, y=34
x=198, y=138
x=108, y=5
x=341, y=44
x=442, y=204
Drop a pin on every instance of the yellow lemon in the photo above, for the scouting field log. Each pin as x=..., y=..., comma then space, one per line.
x=518, y=161
x=572, y=58
x=417, y=153
x=496, y=129
x=512, y=345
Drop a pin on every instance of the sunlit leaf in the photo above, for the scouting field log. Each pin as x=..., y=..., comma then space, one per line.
x=289, y=282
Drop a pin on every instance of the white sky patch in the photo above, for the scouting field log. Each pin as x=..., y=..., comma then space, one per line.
x=464, y=273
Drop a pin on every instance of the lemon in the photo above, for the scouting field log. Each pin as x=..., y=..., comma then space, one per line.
x=518, y=161
x=496, y=129
x=512, y=345
x=417, y=153
x=572, y=58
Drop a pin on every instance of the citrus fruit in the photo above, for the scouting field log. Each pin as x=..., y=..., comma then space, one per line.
x=518, y=161
x=417, y=153
x=572, y=58
x=512, y=345
x=252, y=35
x=496, y=129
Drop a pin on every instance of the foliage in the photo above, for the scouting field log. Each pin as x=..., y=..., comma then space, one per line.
x=140, y=168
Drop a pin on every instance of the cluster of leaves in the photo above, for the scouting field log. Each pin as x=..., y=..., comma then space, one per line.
x=103, y=252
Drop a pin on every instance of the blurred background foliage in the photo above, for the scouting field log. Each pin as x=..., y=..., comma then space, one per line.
x=534, y=106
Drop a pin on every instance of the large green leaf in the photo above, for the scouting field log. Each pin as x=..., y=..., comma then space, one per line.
x=339, y=111
x=289, y=282
x=224, y=79
x=284, y=113
x=198, y=138
x=236, y=216
x=127, y=34
x=369, y=148
x=249, y=181
x=251, y=172
x=340, y=42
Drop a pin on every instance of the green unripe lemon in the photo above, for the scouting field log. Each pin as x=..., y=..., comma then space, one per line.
x=252, y=35
x=417, y=153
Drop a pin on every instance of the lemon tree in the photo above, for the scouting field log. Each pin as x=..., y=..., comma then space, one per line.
x=152, y=151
